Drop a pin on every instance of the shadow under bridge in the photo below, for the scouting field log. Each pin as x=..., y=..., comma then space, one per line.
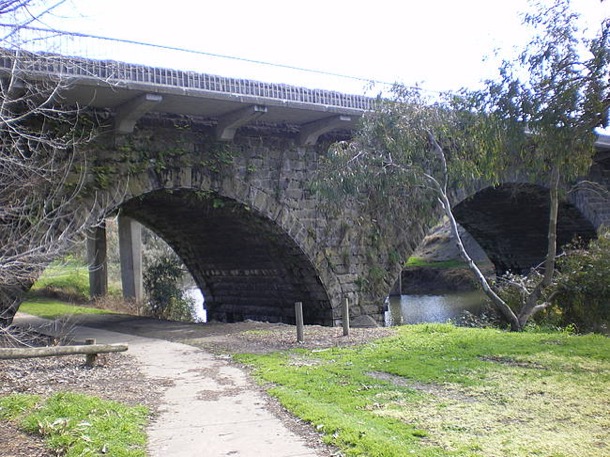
x=244, y=263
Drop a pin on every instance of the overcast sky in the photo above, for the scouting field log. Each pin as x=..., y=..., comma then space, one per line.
x=440, y=44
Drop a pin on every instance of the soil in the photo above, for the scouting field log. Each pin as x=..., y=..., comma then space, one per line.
x=261, y=337
x=117, y=376
x=440, y=246
x=430, y=280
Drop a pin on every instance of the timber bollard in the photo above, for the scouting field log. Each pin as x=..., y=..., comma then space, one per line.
x=346, y=317
x=298, y=314
x=90, y=358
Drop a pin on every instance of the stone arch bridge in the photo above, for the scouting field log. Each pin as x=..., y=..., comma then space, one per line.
x=222, y=170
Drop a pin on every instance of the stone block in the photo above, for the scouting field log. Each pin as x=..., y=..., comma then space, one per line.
x=186, y=180
x=363, y=321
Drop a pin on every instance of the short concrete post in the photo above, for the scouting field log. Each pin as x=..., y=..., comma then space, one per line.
x=346, y=317
x=96, y=258
x=90, y=358
x=130, y=249
x=298, y=313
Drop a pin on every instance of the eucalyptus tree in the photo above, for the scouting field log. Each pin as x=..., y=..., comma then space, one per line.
x=539, y=115
x=558, y=93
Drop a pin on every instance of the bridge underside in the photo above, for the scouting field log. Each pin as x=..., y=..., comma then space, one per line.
x=245, y=265
x=510, y=222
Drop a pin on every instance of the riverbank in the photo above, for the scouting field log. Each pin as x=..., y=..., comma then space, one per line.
x=436, y=280
x=431, y=389
x=436, y=266
x=124, y=377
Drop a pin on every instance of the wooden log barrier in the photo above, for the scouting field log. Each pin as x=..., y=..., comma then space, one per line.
x=91, y=350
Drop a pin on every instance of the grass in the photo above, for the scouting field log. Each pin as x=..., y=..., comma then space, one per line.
x=445, y=264
x=439, y=390
x=68, y=279
x=76, y=425
x=53, y=309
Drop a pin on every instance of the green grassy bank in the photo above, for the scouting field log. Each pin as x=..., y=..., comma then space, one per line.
x=76, y=425
x=68, y=280
x=439, y=390
x=53, y=309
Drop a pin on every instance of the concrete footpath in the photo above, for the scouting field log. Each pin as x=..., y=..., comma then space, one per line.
x=210, y=408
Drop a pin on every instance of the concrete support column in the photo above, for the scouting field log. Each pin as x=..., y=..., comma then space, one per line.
x=130, y=249
x=96, y=259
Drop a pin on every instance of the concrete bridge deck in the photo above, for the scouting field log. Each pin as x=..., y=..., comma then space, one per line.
x=133, y=90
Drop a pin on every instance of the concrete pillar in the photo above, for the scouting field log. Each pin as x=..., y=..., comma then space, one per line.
x=96, y=259
x=130, y=249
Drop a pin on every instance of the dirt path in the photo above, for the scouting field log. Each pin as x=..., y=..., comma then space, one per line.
x=208, y=406
x=211, y=408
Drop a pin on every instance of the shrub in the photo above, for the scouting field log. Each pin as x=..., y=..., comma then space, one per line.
x=514, y=289
x=488, y=318
x=583, y=290
x=162, y=281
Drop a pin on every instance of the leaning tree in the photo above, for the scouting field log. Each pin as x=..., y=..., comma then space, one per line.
x=538, y=115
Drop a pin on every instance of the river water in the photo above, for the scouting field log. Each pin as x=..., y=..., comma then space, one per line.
x=414, y=309
x=194, y=294
x=404, y=309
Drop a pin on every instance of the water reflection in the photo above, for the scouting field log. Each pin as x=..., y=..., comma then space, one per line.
x=414, y=309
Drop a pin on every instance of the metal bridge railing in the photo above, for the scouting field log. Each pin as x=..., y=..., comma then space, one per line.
x=77, y=55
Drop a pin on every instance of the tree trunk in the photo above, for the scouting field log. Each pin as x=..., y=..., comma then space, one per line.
x=549, y=264
x=10, y=299
x=497, y=302
x=531, y=305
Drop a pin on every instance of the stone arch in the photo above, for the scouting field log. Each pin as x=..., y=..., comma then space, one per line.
x=249, y=255
x=245, y=264
x=265, y=170
x=510, y=223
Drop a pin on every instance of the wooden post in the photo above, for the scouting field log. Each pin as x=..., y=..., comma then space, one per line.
x=90, y=358
x=298, y=313
x=346, y=317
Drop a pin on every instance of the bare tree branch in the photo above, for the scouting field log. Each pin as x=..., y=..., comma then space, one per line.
x=43, y=166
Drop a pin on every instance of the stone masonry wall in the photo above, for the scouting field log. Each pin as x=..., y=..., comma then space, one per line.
x=244, y=220
x=256, y=239
x=592, y=200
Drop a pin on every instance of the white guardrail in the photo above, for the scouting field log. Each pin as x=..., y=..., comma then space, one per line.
x=80, y=55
